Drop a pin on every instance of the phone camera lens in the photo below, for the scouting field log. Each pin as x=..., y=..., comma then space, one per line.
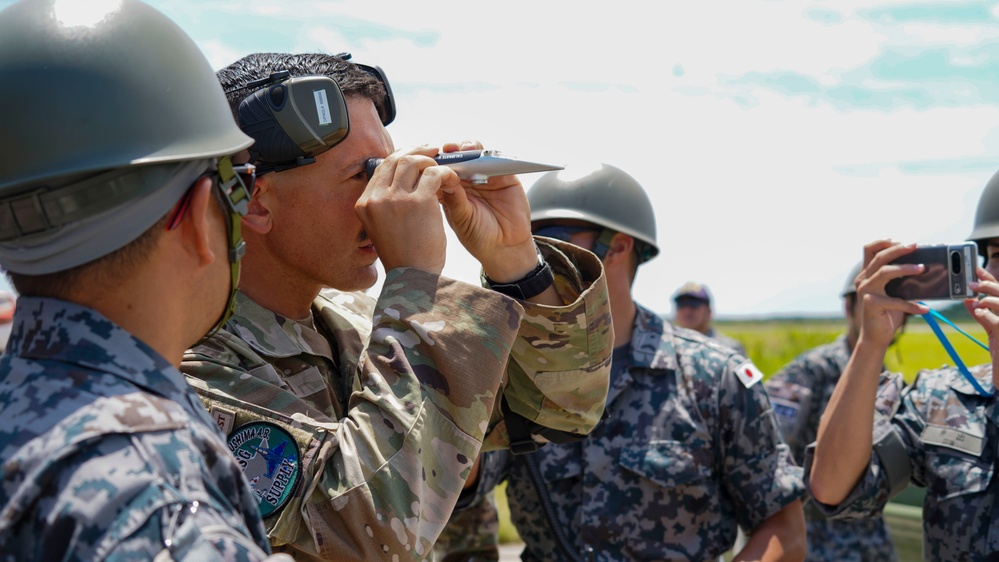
x=955, y=262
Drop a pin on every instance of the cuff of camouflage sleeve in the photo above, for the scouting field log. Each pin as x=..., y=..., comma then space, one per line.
x=576, y=270
x=773, y=482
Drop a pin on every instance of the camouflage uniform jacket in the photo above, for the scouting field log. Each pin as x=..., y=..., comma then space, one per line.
x=685, y=453
x=389, y=401
x=107, y=453
x=727, y=341
x=951, y=436
x=799, y=393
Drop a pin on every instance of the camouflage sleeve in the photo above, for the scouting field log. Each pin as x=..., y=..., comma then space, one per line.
x=141, y=515
x=758, y=472
x=191, y=532
x=873, y=490
x=560, y=364
x=472, y=532
x=381, y=482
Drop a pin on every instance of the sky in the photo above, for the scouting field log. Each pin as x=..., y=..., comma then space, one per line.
x=774, y=138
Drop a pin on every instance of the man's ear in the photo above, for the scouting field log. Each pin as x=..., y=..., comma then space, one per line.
x=621, y=246
x=258, y=216
x=197, y=224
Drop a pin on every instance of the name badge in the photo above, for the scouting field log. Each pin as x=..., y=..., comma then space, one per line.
x=224, y=417
x=953, y=439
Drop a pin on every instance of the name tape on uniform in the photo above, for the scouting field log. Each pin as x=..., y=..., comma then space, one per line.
x=953, y=439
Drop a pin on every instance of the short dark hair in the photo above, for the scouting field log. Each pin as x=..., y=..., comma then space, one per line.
x=353, y=81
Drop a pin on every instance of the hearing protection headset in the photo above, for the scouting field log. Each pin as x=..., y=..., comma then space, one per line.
x=292, y=119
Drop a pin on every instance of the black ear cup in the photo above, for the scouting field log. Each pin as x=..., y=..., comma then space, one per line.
x=292, y=120
x=256, y=118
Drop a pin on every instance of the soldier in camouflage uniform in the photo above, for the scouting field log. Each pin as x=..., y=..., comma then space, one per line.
x=376, y=408
x=939, y=432
x=799, y=393
x=105, y=452
x=689, y=448
x=693, y=310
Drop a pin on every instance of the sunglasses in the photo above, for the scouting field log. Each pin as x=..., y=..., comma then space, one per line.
x=690, y=303
x=562, y=232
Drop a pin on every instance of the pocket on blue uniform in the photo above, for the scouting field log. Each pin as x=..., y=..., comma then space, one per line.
x=667, y=463
x=957, y=488
x=950, y=474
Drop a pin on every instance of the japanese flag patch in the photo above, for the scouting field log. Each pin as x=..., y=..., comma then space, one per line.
x=748, y=374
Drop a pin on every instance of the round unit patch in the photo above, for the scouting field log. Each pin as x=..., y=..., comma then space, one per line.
x=270, y=461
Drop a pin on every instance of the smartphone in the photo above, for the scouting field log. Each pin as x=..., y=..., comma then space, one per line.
x=950, y=268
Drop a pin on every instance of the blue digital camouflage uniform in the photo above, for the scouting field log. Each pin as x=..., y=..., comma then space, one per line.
x=951, y=435
x=107, y=453
x=799, y=393
x=686, y=453
x=388, y=402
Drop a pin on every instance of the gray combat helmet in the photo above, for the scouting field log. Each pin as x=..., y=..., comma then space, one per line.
x=987, y=217
x=105, y=110
x=607, y=196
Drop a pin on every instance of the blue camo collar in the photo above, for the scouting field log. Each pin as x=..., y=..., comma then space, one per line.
x=982, y=374
x=652, y=341
x=58, y=330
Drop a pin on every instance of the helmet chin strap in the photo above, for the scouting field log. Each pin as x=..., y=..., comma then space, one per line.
x=236, y=193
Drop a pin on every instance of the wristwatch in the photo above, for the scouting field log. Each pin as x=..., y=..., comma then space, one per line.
x=531, y=285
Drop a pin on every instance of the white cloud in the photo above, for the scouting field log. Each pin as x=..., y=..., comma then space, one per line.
x=751, y=197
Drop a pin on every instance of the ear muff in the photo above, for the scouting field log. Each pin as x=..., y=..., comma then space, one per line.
x=387, y=109
x=292, y=119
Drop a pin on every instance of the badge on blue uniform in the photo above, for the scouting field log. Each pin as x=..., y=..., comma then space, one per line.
x=270, y=460
x=791, y=403
x=748, y=373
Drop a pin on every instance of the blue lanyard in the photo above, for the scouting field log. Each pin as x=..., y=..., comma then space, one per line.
x=931, y=319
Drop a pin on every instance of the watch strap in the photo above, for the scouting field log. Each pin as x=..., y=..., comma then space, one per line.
x=531, y=285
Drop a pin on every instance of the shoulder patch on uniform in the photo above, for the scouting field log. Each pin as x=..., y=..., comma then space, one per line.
x=271, y=462
x=748, y=373
x=953, y=439
x=787, y=413
x=790, y=403
x=225, y=418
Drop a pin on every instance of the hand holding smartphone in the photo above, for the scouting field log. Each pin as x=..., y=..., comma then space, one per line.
x=950, y=268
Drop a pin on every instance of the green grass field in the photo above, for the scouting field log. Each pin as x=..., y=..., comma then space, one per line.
x=772, y=344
